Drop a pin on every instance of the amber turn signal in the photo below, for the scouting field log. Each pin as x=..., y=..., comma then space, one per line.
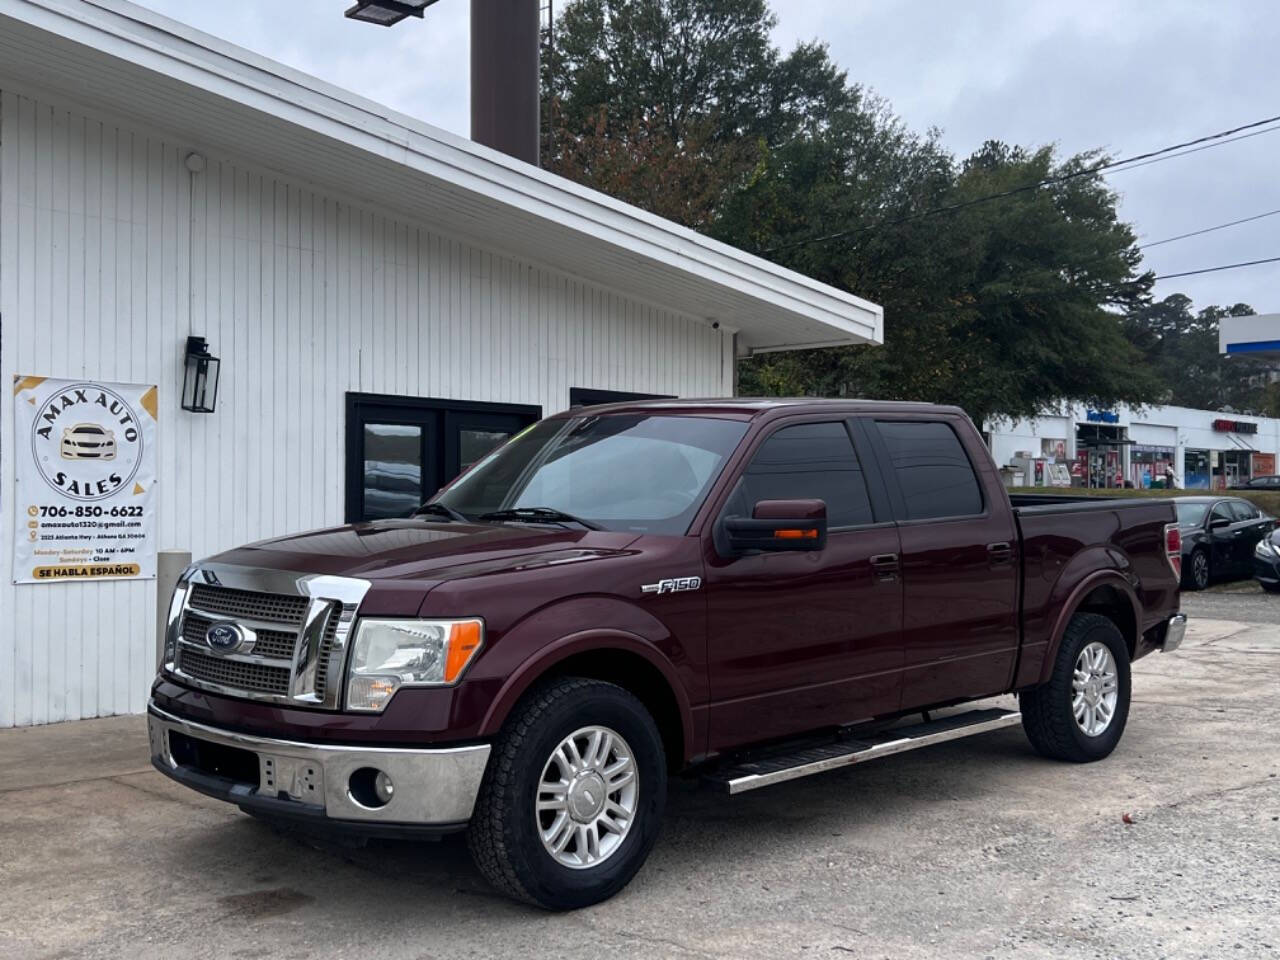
x=811, y=534
x=464, y=643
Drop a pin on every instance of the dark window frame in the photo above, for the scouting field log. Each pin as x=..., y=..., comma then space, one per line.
x=592, y=397
x=362, y=408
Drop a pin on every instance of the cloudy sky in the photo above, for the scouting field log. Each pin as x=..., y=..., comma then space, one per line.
x=1127, y=78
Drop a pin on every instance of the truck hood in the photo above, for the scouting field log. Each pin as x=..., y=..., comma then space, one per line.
x=423, y=550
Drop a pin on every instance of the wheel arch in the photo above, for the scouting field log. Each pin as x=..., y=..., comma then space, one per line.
x=1106, y=593
x=614, y=657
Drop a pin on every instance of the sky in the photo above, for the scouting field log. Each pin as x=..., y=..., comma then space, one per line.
x=1126, y=78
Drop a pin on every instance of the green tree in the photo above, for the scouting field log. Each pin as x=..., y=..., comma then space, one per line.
x=1181, y=348
x=1001, y=307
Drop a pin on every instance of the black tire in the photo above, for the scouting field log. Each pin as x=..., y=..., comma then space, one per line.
x=1047, y=715
x=1270, y=587
x=1197, y=574
x=503, y=835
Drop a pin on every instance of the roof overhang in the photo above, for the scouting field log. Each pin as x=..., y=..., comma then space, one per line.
x=1257, y=336
x=227, y=102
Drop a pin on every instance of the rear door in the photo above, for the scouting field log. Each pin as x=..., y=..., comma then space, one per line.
x=959, y=560
x=801, y=640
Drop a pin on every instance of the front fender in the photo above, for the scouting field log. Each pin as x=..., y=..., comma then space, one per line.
x=534, y=647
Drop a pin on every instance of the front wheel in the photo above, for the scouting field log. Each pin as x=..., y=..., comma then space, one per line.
x=1080, y=714
x=1197, y=577
x=573, y=797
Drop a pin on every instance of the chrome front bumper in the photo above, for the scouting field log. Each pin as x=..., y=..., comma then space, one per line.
x=1174, y=632
x=432, y=787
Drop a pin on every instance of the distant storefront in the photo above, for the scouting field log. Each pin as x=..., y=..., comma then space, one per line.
x=1079, y=446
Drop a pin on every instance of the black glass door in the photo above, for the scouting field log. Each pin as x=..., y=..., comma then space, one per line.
x=401, y=450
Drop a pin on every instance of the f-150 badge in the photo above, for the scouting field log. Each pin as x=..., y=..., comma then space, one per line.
x=676, y=585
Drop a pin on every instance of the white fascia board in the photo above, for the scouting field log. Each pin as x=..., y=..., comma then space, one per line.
x=138, y=36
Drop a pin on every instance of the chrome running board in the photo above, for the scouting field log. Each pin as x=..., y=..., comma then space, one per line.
x=780, y=767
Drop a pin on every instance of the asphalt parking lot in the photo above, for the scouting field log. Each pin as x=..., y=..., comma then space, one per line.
x=971, y=849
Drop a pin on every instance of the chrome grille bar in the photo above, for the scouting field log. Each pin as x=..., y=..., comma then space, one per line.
x=302, y=623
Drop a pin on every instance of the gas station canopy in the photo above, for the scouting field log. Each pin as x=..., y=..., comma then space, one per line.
x=1257, y=336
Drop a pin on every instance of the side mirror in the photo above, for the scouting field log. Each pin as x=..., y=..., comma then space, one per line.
x=774, y=526
x=1217, y=523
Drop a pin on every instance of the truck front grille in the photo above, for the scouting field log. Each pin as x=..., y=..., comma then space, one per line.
x=293, y=631
x=273, y=644
x=247, y=677
x=248, y=604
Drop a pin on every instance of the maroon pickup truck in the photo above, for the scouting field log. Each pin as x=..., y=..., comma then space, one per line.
x=747, y=591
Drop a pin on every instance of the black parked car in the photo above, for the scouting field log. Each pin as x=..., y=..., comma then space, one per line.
x=1266, y=562
x=1219, y=535
x=1258, y=483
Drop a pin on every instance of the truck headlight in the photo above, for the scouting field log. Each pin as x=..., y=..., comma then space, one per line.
x=390, y=654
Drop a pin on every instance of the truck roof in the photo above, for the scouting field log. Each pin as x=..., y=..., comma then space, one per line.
x=751, y=407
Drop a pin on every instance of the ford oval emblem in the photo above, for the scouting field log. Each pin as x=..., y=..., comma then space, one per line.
x=224, y=637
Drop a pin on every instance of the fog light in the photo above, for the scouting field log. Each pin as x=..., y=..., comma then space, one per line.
x=383, y=787
x=370, y=788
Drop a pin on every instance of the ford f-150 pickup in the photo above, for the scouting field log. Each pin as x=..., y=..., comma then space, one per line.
x=745, y=591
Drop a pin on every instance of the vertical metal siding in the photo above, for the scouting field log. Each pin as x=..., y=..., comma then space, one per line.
x=111, y=253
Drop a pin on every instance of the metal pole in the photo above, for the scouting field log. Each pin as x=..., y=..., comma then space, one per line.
x=504, y=76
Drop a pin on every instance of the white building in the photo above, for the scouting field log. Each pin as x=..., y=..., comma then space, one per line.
x=1204, y=448
x=387, y=301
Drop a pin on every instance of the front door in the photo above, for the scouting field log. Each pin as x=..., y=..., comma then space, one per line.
x=803, y=640
x=401, y=450
x=1249, y=528
x=1222, y=540
x=959, y=562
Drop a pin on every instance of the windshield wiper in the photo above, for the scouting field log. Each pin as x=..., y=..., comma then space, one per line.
x=440, y=510
x=539, y=515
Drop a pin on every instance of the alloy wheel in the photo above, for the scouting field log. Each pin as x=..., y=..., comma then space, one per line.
x=587, y=797
x=1200, y=569
x=1095, y=689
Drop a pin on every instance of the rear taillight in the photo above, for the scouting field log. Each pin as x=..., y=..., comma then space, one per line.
x=1173, y=547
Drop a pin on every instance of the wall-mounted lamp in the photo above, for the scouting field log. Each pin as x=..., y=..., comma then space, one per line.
x=200, y=378
x=387, y=13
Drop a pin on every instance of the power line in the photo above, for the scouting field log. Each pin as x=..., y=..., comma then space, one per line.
x=1225, y=266
x=1207, y=146
x=1221, y=226
x=1149, y=156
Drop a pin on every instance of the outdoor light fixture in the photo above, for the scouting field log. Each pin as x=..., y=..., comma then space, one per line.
x=200, y=379
x=387, y=13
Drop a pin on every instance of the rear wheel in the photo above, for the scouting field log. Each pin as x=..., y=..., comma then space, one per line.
x=573, y=796
x=1197, y=577
x=1080, y=714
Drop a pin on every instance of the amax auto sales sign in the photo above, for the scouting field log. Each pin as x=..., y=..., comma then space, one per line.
x=85, y=476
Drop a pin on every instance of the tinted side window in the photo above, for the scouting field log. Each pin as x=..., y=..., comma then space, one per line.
x=1244, y=510
x=810, y=461
x=1221, y=511
x=936, y=476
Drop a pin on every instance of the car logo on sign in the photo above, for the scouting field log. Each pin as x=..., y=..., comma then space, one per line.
x=224, y=637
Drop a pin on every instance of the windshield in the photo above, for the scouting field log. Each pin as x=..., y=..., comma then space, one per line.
x=1191, y=514
x=636, y=472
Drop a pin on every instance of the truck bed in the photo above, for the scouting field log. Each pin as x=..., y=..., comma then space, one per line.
x=1045, y=503
x=1065, y=537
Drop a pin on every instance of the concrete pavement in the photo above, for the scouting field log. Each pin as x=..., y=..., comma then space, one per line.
x=972, y=849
